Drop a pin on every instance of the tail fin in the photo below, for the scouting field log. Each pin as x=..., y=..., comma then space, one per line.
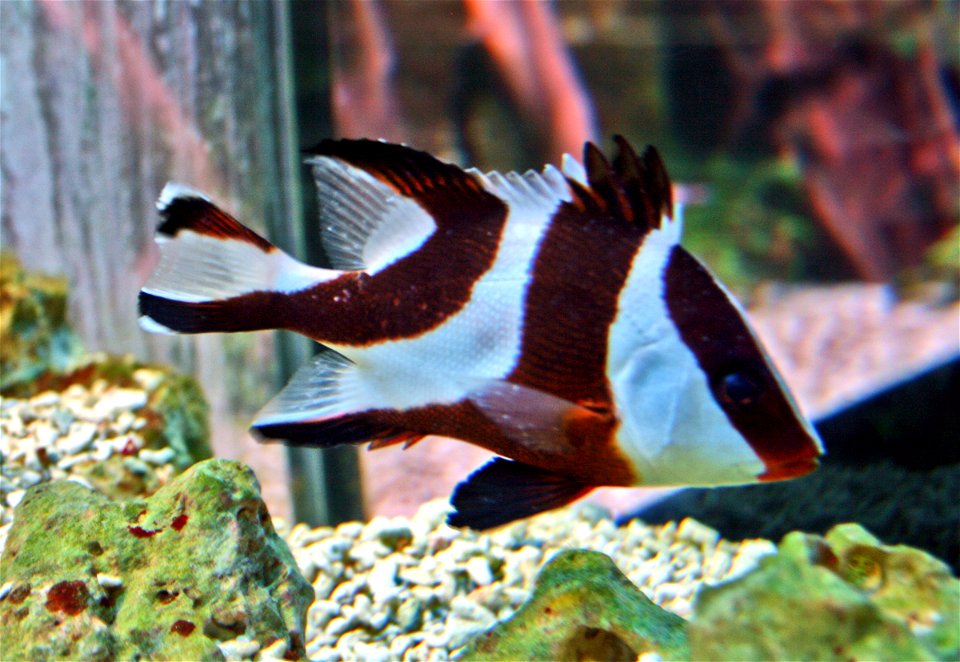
x=215, y=274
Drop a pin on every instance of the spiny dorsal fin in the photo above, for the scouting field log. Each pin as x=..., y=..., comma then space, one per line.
x=634, y=188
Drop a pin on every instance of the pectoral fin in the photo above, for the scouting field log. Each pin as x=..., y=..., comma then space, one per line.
x=502, y=491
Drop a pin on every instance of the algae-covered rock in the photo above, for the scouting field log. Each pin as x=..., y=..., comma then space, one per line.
x=168, y=577
x=36, y=337
x=583, y=607
x=841, y=597
x=905, y=583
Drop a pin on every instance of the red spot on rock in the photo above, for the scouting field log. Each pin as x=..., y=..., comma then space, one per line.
x=143, y=533
x=129, y=448
x=19, y=594
x=68, y=597
x=179, y=521
x=183, y=628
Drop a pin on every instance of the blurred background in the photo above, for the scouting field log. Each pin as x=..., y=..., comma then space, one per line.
x=816, y=142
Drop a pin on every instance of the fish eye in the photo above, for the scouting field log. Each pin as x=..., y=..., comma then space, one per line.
x=737, y=389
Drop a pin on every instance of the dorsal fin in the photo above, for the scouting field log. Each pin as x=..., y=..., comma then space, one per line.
x=408, y=171
x=380, y=202
x=366, y=223
x=634, y=188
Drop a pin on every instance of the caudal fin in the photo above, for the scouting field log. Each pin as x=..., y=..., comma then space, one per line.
x=214, y=273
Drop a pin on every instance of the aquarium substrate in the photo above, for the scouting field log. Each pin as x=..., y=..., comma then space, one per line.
x=393, y=588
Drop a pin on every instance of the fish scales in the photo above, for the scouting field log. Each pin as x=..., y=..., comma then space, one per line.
x=551, y=317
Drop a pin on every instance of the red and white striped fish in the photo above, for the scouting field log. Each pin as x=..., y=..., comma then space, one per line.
x=550, y=317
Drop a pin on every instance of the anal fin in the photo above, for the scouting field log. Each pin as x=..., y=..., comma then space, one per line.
x=324, y=405
x=502, y=491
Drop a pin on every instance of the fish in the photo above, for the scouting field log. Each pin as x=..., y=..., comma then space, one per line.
x=551, y=317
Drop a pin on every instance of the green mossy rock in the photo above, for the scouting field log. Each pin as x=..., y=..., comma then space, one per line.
x=583, y=608
x=840, y=597
x=33, y=325
x=167, y=577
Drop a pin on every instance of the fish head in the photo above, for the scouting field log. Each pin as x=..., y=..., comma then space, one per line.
x=698, y=399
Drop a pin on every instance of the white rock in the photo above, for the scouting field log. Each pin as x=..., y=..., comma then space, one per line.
x=147, y=379
x=239, y=649
x=45, y=399
x=478, y=568
x=157, y=457
x=399, y=645
x=79, y=438
x=102, y=449
x=345, y=592
x=697, y=533
x=367, y=552
x=350, y=530
x=322, y=612
x=15, y=497
x=274, y=651
x=323, y=585
x=382, y=581
x=340, y=624
x=109, y=581
x=123, y=422
x=460, y=632
x=119, y=399
x=377, y=620
x=45, y=433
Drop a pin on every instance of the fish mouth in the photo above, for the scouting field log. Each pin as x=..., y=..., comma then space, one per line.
x=791, y=469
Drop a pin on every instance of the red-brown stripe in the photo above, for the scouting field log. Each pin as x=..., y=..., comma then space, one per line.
x=421, y=290
x=713, y=329
x=580, y=267
x=203, y=217
x=579, y=270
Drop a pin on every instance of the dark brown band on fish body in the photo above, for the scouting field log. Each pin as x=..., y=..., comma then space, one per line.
x=712, y=327
x=418, y=292
x=578, y=272
x=203, y=217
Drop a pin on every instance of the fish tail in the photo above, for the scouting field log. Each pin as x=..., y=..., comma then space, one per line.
x=216, y=274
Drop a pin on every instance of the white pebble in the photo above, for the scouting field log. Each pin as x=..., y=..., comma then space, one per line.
x=697, y=533
x=15, y=497
x=147, y=379
x=29, y=478
x=274, y=651
x=5, y=589
x=45, y=433
x=238, y=649
x=78, y=438
x=157, y=457
x=351, y=530
x=321, y=612
x=109, y=581
x=124, y=422
x=45, y=399
x=337, y=626
x=479, y=570
x=383, y=581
